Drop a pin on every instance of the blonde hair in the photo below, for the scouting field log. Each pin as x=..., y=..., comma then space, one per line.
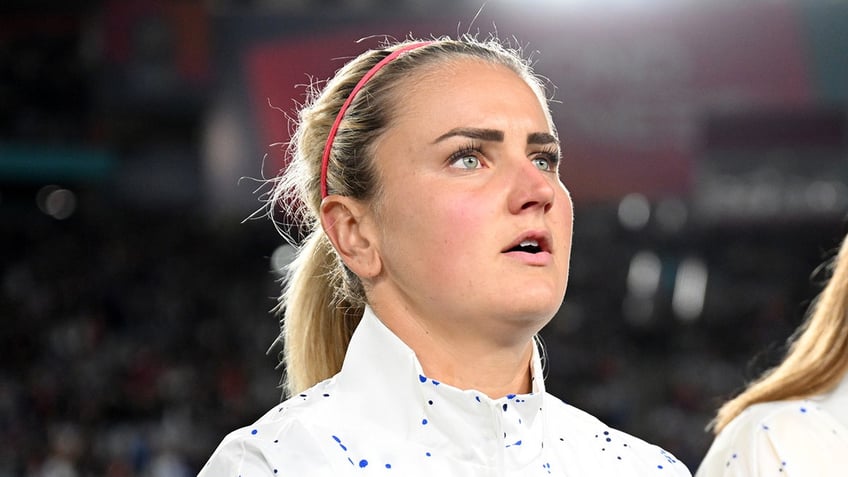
x=322, y=300
x=817, y=357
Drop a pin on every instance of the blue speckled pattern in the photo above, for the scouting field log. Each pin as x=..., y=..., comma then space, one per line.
x=381, y=415
x=785, y=438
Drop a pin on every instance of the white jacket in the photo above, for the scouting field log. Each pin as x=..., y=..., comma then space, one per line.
x=381, y=416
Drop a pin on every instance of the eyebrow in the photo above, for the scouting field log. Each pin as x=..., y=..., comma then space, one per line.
x=542, y=138
x=495, y=135
x=473, y=133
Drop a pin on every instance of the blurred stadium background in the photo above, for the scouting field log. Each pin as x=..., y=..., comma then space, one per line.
x=705, y=148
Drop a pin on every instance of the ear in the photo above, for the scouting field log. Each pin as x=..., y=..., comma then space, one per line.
x=350, y=228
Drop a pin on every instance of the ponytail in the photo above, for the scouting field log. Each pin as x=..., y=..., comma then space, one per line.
x=316, y=327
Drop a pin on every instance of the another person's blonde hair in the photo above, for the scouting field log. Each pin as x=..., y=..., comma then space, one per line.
x=817, y=358
x=322, y=300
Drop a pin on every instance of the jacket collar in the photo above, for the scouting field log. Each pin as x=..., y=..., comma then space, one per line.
x=385, y=384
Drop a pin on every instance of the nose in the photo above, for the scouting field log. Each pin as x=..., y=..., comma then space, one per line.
x=531, y=188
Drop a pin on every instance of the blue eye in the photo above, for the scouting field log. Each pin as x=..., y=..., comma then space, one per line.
x=467, y=162
x=546, y=162
x=468, y=158
x=542, y=163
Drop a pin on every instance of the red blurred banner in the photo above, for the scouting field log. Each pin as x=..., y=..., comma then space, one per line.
x=632, y=87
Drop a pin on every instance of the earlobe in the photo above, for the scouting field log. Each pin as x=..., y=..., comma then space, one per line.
x=347, y=225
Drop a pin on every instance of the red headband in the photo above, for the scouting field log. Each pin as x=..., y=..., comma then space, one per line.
x=325, y=160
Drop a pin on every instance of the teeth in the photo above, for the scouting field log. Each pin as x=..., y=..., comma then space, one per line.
x=529, y=243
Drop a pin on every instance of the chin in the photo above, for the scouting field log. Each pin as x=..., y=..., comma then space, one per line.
x=531, y=314
x=541, y=305
x=512, y=326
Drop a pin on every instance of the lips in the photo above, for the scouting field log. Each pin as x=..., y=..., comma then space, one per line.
x=530, y=243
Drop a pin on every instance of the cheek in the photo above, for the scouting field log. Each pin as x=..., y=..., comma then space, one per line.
x=566, y=220
x=461, y=223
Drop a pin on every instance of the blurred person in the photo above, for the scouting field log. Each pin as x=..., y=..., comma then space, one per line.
x=439, y=240
x=66, y=446
x=793, y=419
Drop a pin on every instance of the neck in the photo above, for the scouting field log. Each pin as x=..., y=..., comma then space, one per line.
x=494, y=374
x=462, y=358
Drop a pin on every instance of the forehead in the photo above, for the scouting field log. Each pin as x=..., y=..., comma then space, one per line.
x=466, y=89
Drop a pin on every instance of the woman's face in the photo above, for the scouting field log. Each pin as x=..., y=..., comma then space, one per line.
x=474, y=224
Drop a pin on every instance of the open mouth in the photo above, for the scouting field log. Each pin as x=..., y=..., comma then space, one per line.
x=527, y=246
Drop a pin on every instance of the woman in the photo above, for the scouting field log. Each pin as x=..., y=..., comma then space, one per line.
x=793, y=420
x=440, y=232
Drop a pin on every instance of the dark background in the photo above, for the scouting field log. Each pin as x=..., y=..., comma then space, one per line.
x=705, y=147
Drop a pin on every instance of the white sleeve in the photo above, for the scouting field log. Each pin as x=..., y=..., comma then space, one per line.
x=792, y=438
